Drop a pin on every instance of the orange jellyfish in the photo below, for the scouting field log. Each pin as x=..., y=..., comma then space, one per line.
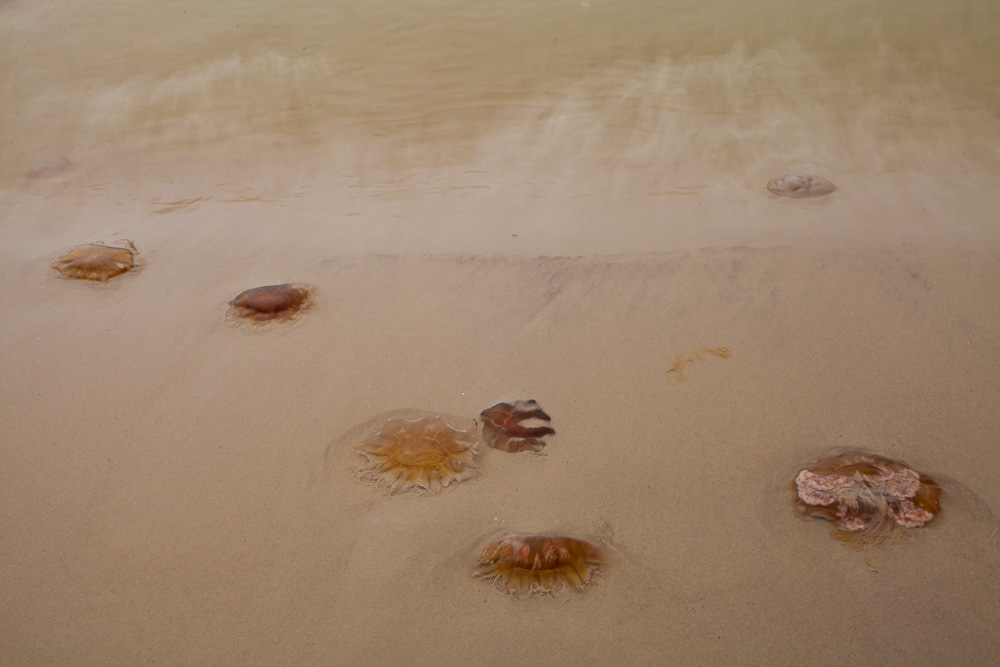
x=681, y=362
x=525, y=565
x=504, y=427
x=800, y=186
x=96, y=261
x=273, y=303
x=420, y=452
x=871, y=499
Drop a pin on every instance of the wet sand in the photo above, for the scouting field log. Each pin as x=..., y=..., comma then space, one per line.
x=174, y=491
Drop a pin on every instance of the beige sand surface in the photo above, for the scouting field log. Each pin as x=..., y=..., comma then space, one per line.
x=496, y=201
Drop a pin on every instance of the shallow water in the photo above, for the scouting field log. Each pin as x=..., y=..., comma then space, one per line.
x=496, y=201
x=503, y=118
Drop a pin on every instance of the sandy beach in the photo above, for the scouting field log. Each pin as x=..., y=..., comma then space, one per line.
x=493, y=202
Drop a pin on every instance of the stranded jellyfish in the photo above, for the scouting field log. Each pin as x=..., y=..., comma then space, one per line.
x=419, y=452
x=50, y=168
x=96, y=261
x=869, y=498
x=273, y=303
x=681, y=362
x=525, y=565
x=504, y=426
x=800, y=186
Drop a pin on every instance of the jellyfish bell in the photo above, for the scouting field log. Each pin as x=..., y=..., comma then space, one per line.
x=523, y=565
x=800, y=186
x=96, y=261
x=52, y=167
x=424, y=453
x=516, y=427
x=271, y=303
x=871, y=499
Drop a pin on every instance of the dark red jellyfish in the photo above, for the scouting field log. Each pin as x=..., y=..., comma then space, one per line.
x=870, y=499
x=505, y=427
x=272, y=303
x=525, y=565
x=800, y=186
x=96, y=261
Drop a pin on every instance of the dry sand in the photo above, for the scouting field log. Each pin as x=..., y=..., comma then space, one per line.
x=496, y=201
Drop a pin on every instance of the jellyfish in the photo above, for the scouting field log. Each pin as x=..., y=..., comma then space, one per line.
x=681, y=362
x=800, y=186
x=526, y=565
x=503, y=426
x=96, y=261
x=420, y=452
x=273, y=303
x=870, y=499
x=50, y=168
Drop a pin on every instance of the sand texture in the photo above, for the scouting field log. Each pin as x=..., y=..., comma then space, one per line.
x=581, y=220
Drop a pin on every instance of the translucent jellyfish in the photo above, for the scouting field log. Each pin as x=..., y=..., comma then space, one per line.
x=504, y=427
x=273, y=303
x=50, y=168
x=800, y=186
x=419, y=452
x=681, y=362
x=525, y=565
x=870, y=499
x=96, y=261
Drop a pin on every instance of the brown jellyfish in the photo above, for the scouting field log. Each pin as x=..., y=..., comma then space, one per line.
x=420, y=452
x=273, y=303
x=96, y=261
x=525, y=565
x=871, y=499
x=800, y=186
x=503, y=426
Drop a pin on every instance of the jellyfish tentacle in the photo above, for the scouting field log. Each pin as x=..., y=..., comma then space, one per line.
x=400, y=483
x=573, y=576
